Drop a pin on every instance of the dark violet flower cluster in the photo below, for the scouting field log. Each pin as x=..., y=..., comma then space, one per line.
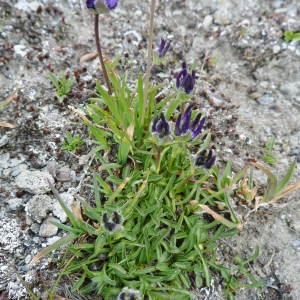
x=163, y=48
x=185, y=80
x=205, y=159
x=161, y=127
x=129, y=294
x=113, y=224
x=101, y=6
x=184, y=125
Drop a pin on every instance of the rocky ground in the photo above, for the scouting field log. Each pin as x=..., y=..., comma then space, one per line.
x=248, y=82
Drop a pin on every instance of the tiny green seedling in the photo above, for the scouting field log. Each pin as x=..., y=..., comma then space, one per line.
x=291, y=36
x=269, y=158
x=63, y=85
x=72, y=144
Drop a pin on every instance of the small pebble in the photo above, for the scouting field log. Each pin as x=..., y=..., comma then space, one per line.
x=276, y=49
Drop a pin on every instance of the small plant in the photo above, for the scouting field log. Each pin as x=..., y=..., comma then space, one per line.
x=70, y=143
x=269, y=158
x=291, y=36
x=63, y=85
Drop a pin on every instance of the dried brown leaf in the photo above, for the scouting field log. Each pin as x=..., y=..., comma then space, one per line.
x=87, y=56
x=4, y=124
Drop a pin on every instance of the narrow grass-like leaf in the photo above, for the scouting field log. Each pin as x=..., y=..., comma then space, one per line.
x=79, y=283
x=282, y=183
x=256, y=284
x=117, y=191
x=61, y=242
x=106, y=278
x=67, y=228
x=63, y=205
x=271, y=182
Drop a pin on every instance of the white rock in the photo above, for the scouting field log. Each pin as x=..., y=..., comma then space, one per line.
x=207, y=21
x=18, y=169
x=223, y=16
x=4, y=158
x=27, y=259
x=14, y=203
x=47, y=229
x=38, y=207
x=34, y=182
x=276, y=49
x=35, y=5
x=57, y=209
x=138, y=13
x=3, y=140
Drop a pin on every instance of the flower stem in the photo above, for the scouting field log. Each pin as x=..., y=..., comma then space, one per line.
x=182, y=108
x=97, y=40
x=158, y=158
x=152, y=10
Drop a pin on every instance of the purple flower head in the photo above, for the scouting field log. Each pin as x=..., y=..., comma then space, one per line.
x=205, y=159
x=112, y=224
x=184, y=125
x=101, y=6
x=129, y=294
x=161, y=127
x=185, y=80
x=163, y=48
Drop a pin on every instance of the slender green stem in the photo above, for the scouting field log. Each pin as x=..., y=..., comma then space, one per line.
x=98, y=45
x=152, y=9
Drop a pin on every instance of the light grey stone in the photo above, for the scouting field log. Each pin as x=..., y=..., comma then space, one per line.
x=3, y=140
x=57, y=209
x=51, y=167
x=296, y=244
x=18, y=169
x=35, y=228
x=207, y=21
x=4, y=158
x=34, y=182
x=29, y=220
x=276, y=49
x=14, y=203
x=223, y=16
x=64, y=176
x=47, y=229
x=266, y=99
x=38, y=207
x=295, y=225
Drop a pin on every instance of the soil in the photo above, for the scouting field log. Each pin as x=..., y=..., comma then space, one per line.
x=248, y=83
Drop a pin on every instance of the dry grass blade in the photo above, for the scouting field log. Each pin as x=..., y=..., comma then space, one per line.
x=76, y=209
x=289, y=189
x=217, y=217
x=8, y=125
x=87, y=56
x=9, y=99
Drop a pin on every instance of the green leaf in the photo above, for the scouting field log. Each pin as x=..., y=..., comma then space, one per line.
x=106, y=278
x=61, y=242
x=54, y=80
x=67, y=228
x=79, y=283
x=63, y=205
x=282, y=183
x=117, y=267
x=185, y=280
